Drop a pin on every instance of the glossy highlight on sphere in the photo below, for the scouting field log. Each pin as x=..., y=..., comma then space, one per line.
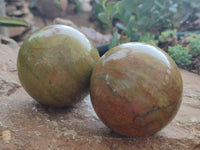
x=55, y=63
x=136, y=89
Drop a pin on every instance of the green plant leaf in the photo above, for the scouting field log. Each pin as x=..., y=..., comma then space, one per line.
x=129, y=5
x=167, y=33
x=104, y=18
x=142, y=20
x=131, y=20
x=146, y=6
x=114, y=40
x=147, y=38
x=159, y=4
x=12, y=22
x=119, y=8
x=121, y=26
x=126, y=17
x=180, y=55
x=78, y=6
x=97, y=1
x=194, y=47
x=129, y=32
x=101, y=2
x=110, y=8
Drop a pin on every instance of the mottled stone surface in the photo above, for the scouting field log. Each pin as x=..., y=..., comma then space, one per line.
x=136, y=89
x=25, y=124
x=55, y=63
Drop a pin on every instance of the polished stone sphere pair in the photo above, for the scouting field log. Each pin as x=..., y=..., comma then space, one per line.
x=135, y=88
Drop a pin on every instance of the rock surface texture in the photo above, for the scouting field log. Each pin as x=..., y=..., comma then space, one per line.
x=19, y=9
x=25, y=124
x=97, y=37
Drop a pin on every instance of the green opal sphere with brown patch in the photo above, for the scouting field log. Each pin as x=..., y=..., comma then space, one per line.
x=136, y=89
x=55, y=64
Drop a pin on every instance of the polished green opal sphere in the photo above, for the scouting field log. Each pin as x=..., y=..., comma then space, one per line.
x=136, y=89
x=55, y=64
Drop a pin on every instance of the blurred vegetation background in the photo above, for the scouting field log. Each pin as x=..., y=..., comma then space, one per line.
x=173, y=25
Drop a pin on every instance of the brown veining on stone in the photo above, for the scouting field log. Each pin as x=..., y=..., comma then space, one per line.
x=135, y=81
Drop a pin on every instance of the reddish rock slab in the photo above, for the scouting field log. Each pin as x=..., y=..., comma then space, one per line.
x=8, y=73
x=27, y=125
x=97, y=37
